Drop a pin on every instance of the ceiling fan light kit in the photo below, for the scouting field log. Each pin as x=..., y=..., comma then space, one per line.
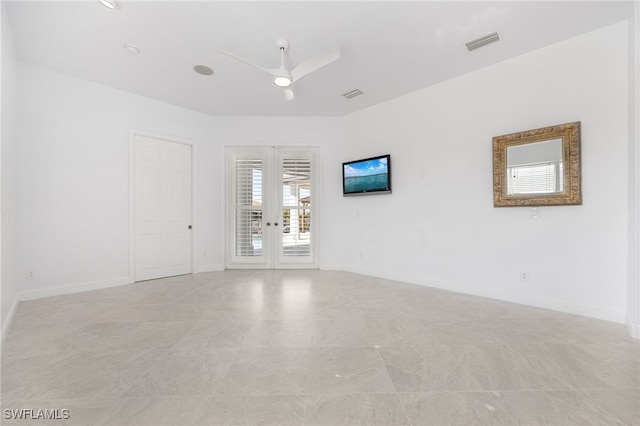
x=284, y=78
x=110, y=4
x=282, y=81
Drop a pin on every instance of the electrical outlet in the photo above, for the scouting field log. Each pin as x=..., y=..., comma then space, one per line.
x=524, y=276
x=29, y=274
x=535, y=212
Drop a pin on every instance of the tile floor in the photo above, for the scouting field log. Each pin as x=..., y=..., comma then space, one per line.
x=312, y=348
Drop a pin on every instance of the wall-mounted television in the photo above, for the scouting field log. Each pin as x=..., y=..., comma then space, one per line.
x=367, y=176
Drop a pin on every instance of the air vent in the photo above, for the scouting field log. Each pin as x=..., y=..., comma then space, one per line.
x=482, y=41
x=353, y=93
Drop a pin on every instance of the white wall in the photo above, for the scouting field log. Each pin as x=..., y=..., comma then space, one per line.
x=8, y=290
x=633, y=294
x=439, y=226
x=73, y=153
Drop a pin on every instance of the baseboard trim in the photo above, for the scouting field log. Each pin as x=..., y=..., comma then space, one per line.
x=329, y=267
x=8, y=320
x=209, y=268
x=75, y=288
x=633, y=329
x=513, y=297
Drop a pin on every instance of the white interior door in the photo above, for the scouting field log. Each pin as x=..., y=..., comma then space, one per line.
x=270, y=217
x=162, y=203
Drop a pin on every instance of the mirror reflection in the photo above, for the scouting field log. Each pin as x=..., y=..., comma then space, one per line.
x=535, y=168
x=539, y=167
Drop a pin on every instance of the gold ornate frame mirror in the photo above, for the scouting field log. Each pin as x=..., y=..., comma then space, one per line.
x=538, y=167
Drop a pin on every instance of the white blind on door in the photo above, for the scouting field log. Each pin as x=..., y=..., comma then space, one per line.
x=296, y=207
x=248, y=191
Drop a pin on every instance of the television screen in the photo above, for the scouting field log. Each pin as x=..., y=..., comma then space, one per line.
x=370, y=175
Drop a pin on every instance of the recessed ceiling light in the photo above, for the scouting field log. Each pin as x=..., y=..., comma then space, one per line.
x=131, y=49
x=203, y=69
x=482, y=41
x=110, y=4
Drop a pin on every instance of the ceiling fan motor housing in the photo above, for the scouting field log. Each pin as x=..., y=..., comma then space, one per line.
x=282, y=44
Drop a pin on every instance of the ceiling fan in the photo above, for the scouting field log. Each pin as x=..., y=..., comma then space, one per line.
x=284, y=78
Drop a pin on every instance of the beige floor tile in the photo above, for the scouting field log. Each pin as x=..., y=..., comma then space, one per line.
x=596, y=366
x=183, y=373
x=309, y=310
x=430, y=368
x=397, y=330
x=511, y=367
x=454, y=408
x=354, y=409
x=113, y=336
x=205, y=335
x=272, y=410
x=98, y=375
x=313, y=347
x=560, y=407
x=41, y=339
x=26, y=377
x=347, y=370
x=187, y=312
x=283, y=334
x=263, y=371
x=169, y=411
x=342, y=333
x=624, y=404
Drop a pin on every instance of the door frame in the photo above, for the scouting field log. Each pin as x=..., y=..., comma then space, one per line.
x=132, y=195
x=317, y=190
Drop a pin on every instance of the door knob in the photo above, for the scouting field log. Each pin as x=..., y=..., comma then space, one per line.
x=268, y=223
x=275, y=224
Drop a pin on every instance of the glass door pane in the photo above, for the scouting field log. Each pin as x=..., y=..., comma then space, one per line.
x=296, y=198
x=248, y=239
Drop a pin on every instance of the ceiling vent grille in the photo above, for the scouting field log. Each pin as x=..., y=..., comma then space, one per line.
x=482, y=41
x=353, y=93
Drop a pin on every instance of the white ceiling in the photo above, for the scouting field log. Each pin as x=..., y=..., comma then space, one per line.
x=387, y=48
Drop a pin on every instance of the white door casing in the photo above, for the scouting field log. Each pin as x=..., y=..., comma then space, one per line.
x=162, y=207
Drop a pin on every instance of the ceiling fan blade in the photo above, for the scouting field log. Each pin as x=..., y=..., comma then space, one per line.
x=288, y=94
x=268, y=70
x=315, y=62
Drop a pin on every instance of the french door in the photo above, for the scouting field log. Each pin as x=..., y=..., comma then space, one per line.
x=270, y=208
